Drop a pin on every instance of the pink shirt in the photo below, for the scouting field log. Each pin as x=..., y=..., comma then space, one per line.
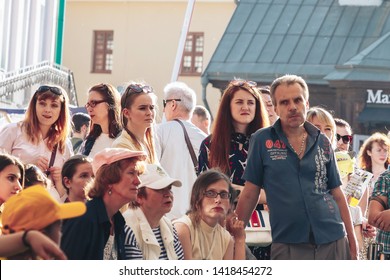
x=15, y=142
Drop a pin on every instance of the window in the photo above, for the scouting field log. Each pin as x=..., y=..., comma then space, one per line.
x=192, y=62
x=103, y=51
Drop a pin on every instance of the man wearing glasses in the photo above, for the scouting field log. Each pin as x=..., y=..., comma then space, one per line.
x=171, y=147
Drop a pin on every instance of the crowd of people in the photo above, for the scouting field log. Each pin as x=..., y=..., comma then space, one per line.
x=114, y=184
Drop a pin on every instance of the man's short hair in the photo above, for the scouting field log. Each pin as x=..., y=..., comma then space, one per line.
x=202, y=112
x=80, y=119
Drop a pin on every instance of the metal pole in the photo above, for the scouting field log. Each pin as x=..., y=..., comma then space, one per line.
x=60, y=31
x=183, y=37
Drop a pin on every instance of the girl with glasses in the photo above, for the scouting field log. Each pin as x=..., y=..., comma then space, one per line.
x=43, y=134
x=104, y=109
x=138, y=110
x=201, y=231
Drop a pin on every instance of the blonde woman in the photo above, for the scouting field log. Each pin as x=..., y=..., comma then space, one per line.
x=324, y=121
x=138, y=110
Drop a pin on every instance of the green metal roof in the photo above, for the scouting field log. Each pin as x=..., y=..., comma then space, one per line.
x=316, y=39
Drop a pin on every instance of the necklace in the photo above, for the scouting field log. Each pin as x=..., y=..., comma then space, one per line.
x=302, y=145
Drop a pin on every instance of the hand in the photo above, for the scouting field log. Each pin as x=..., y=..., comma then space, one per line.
x=42, y=163
x=368, y=230
x=55, y=174
x=44, y=247
x=235, y=227
x=382, y=220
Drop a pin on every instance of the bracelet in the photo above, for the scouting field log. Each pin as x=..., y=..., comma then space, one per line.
x=24, y=239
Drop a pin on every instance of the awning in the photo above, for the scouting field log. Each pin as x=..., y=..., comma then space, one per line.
x=375, y=115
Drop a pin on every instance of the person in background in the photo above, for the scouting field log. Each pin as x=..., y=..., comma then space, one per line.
x=373, y=157
x=324, y=121
x=149, y=234
x=138, y=109
x=80, y=129
x=11, y=176
x=43, y=134
x=241, y=113
x=344, y=136
x=379, y=212
x=11, y=182
x=200, y=231
x=201, y=118
x=99, y=234
x=171, y=148
x=266, y=96
x=320, y=225
x=35, y=209
x=76, y=175
x=34, y=176
x=104, y=109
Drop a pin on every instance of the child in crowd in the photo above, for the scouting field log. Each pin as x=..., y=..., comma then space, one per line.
x=35, y=209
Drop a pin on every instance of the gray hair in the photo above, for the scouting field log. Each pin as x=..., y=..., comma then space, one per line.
x=180, y=90
x=289, y=80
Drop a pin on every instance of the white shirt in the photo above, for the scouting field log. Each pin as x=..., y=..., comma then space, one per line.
x=174, y=156
x=102, y=142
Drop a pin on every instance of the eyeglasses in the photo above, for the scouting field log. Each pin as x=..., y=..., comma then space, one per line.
x=136, y=88
x=55, y=90
x=346, y=138
x=240, y=83
x=93, y=103
x=165, y=101
x=213, y=194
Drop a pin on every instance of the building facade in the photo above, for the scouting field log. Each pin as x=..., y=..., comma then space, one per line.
x=120, y=41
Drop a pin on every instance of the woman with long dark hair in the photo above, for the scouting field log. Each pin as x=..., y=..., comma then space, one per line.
x=103, y=108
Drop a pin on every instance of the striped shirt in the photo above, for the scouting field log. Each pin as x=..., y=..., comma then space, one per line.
x=133, y=252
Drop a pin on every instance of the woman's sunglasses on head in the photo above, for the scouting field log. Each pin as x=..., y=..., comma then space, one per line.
x=55, y=90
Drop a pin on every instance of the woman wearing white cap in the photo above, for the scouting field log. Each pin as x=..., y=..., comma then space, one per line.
x=150, y=235
x=99, y=234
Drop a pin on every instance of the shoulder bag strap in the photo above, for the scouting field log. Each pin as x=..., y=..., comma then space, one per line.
x=189, y=145
x=52, y=158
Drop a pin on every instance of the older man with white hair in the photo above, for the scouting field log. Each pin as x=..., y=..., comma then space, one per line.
x=171, y=147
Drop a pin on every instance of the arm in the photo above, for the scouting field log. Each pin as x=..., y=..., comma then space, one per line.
x=247, y=201
x=40, y=244
x=339, y=197
x=229, y=251
x=377, y=215
x=185, y=239
x=237, y=230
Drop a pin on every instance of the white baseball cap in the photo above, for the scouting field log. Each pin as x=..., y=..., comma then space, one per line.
x=156, y=178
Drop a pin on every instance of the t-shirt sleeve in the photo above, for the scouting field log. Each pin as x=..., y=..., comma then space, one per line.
x=254, y=166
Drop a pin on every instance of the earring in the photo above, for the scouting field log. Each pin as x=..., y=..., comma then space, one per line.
x=109, y=192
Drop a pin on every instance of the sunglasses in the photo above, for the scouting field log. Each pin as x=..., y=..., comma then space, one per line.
x=55, y=90
x=93, y=103
x=346, y=138
x=136, y=88
x=240, y=83
x=165, y=101
x=213, y=194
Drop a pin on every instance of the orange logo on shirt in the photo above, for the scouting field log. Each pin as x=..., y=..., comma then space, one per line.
x=269, y=144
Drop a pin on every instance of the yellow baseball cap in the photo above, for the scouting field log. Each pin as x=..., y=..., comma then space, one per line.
x=34, y=209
